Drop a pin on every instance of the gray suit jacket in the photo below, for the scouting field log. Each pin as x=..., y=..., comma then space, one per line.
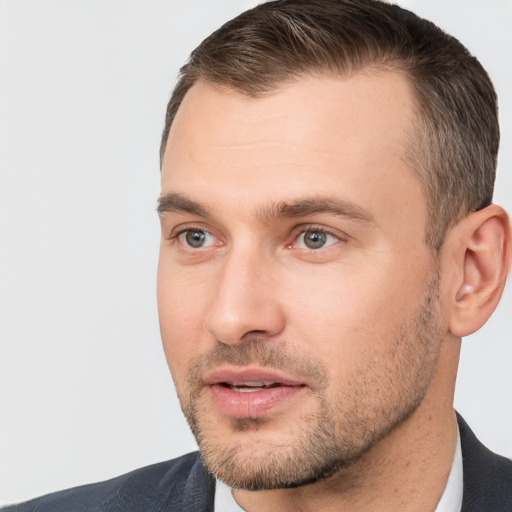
x=184, y=485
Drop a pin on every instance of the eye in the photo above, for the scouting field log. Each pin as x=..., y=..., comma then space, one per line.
x=196, y=238
x=314, y=239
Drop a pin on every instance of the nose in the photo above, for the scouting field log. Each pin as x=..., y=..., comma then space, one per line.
x=246, y=300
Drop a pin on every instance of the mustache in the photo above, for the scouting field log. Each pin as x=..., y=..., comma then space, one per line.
x=259, y=353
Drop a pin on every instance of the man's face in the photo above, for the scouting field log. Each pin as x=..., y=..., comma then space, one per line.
x=298, y=302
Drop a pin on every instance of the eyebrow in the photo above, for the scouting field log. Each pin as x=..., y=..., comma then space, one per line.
x=174, y=202
x=315, y=206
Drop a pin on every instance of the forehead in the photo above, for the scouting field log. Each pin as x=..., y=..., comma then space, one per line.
x=310, y=98
x=325, y=135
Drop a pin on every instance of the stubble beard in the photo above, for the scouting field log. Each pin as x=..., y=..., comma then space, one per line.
x=346, y=424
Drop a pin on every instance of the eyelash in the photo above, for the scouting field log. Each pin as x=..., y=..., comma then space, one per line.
x=173, y=237
x=299, y=231
x=315, y=229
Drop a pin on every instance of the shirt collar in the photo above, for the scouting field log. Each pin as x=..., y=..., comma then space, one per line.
x=451, y=500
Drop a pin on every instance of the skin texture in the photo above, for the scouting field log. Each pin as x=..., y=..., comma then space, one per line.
x=362, y=322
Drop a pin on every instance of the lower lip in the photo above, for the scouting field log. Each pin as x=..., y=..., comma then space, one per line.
x=253, y=404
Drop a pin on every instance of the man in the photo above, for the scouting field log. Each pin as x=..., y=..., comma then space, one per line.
x=328, y=236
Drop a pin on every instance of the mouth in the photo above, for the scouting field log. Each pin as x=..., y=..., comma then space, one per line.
x=250, y=387
x=251, y=393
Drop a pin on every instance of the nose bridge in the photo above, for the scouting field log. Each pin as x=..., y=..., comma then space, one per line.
x=245, y=300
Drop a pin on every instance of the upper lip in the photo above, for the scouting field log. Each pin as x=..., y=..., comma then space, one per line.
x=241, y=376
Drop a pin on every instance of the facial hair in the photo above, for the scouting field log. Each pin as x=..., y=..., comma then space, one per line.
x=344, y=424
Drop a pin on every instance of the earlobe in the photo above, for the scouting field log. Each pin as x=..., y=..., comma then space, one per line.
x=484, y=245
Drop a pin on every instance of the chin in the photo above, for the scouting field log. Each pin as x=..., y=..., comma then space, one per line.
x=258, y=454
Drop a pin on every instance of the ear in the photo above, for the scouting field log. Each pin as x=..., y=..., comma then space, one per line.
x=481, y=249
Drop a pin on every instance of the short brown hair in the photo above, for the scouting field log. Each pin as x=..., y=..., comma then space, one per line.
x=455, y=144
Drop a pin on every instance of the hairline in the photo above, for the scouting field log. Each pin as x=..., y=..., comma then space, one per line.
x=416, y=135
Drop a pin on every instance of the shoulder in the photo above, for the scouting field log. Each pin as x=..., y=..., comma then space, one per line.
x=161, y=486
x=487, y=476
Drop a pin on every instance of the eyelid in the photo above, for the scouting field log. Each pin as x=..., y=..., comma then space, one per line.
x=183, y=228
x=208, y=239
x=178, y=231
x=299, y=230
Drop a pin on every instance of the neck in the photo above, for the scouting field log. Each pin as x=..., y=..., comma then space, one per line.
x=407, y=470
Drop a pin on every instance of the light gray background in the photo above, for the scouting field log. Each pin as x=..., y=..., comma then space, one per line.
x=84, y=389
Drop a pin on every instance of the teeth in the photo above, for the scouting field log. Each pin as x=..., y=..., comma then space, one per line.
x=259, y=383
x=246, y=390
x=250, y=387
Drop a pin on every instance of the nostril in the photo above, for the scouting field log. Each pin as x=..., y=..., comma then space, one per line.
x=255, y=333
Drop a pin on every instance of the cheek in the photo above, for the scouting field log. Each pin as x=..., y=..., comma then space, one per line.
x=181, y=313
x=348, y=318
